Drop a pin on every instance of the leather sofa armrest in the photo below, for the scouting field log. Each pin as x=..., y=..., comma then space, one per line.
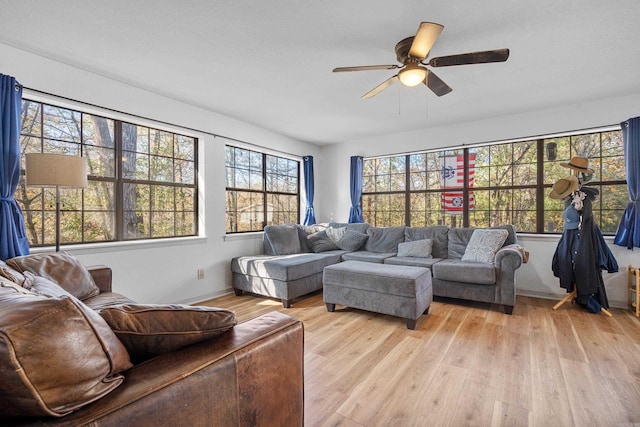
x=102, y=276
x=250, y=375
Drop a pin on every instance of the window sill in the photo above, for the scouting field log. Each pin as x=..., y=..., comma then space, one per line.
x=243, y=236
x=90, y=248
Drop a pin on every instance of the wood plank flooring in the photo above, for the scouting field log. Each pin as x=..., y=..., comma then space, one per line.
x=464, y=364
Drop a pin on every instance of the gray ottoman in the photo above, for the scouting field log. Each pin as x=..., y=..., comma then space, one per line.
x=396, y=290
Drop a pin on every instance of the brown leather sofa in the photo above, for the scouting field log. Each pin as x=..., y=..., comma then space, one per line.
x=250, y=375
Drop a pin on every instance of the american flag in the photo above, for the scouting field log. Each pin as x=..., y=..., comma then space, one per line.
x=452, y=176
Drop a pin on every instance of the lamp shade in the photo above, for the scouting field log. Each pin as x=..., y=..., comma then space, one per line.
x=51, y=170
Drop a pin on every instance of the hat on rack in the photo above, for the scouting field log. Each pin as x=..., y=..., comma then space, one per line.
x=571, y=218
x=580, y=164
x=563, y=187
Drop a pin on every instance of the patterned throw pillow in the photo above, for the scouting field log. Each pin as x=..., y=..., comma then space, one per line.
x=484, y=244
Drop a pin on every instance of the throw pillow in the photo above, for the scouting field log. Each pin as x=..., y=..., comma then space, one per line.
x=53, y=360
x=115, y=351
x=352, y=240
x=62, y=269
x=148, y=330
x=417, y=248
x=336, y=234
x=321, y=242
x=484, y=244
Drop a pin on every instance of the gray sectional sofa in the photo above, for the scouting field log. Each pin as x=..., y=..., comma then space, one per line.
x=295, y=256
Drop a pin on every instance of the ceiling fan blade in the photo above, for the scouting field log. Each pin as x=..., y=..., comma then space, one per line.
x=436, y=84
x=498, y=55
x=365, y=68
x=427, y=34
x=382, y=86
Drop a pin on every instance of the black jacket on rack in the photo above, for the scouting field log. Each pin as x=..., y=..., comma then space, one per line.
x=582, y=254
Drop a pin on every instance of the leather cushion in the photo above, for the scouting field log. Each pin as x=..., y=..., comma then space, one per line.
x=148, y=330
x=61, y=268
x=114, y=349
x=52, y=361
x=11, y=274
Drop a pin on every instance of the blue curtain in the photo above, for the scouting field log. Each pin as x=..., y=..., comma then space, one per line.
x=355, y=213
x=310, y=217
x=628, y=233
x=13, y=236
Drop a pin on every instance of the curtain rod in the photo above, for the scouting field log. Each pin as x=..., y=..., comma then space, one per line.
x=113, y=110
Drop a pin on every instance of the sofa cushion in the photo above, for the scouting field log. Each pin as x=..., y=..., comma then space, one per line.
x=484, y=244
x=384, y=239
x=455, y=270
x=417, y=248
x=10, y=273
x=352, y=240
x=412, y=261
x=458, y=240
x=282, y=239
x=367, y=256
x=148, y=330
x=360, y=227
x=286, y=267
x=437, y=234
x=321, y=242
x=115, y=351
x=61, y=268
x=53, y=361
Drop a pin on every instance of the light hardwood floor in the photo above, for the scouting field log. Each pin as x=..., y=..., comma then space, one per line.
x=464, y=364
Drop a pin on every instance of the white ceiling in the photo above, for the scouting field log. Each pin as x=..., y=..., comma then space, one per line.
x=269, y=62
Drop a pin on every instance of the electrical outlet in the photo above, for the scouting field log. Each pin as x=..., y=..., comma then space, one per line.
x=200, y=273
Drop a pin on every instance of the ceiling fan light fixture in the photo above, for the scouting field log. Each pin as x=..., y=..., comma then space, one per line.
x=412, y=76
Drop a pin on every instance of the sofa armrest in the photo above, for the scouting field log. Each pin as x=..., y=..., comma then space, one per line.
x=102, y=276
x=509, y=258
x=250, y=375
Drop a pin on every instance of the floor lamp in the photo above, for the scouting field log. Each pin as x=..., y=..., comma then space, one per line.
x=56, y=170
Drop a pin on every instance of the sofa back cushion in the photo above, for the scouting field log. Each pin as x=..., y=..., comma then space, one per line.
x=61, y=268
x=281, y=240
x=360, y=227
x=53, y=361
x=115, y=351
x=458, y=240
x=384, y=239
x=437, y=234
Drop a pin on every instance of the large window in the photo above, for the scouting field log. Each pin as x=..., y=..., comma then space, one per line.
x=494, y=184
x=262, y=190
x=141, y=183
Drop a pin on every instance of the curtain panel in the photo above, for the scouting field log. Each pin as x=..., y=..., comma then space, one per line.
x=310, y=216
x=355, y=213
x=13, y=236
x=628, y=233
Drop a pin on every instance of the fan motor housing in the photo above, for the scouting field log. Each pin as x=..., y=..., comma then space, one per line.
x=402, y=49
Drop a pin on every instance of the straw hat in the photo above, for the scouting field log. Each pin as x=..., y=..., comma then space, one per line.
x=563, y=187
x=580, y=164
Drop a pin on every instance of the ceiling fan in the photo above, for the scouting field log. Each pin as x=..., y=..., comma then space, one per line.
x=412, y=52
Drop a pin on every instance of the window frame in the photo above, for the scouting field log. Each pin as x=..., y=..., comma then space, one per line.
x=263, y=192
x=117, y=119
x=538, y=188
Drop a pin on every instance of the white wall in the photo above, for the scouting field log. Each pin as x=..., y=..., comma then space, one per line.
x=534, y=278
x=161, y=272
x=166, y=271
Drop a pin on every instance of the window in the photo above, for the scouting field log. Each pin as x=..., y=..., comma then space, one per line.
x=261, y=190
x=494, y=184
x=141, y=183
